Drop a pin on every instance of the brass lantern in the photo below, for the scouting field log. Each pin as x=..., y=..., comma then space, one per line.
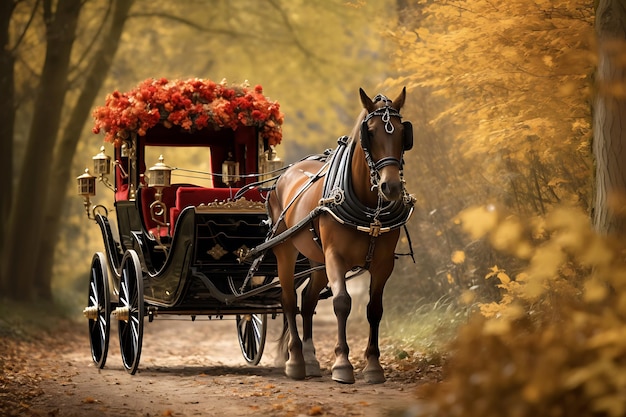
x=86, y=185
x=159, y=175
x=230, y=170
x=101, y=163
x=87, y=189
x=270, y=164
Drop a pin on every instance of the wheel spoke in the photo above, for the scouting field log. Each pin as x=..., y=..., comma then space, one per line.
x=98, y=302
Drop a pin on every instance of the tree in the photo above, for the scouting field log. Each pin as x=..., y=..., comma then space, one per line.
x=32, y=223
x=500, y=92
x=609, y=120
x=7, y=115
x=80, y=38
x=25, y=223
x=94, y=78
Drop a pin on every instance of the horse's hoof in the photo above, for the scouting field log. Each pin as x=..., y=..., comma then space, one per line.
x=313, y=369
x=310, y=361
x=343, y=374
x=374, y=376
x=295, y=371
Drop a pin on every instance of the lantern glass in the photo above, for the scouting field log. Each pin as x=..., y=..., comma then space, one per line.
x=160, y=174
x=86, y=184
x=102, y=163
x=230, y=171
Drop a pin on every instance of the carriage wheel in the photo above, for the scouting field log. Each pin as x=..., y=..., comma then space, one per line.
x=251, y=331
x=98, y=310
x=130, y=311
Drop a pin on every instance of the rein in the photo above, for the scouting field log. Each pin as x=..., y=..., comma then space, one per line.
x=339, y=199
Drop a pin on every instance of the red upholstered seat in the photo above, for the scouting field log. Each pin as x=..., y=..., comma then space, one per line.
x=195, y=196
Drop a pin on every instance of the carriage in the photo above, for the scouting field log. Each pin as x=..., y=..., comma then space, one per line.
x=179, y=240
x=210, y=240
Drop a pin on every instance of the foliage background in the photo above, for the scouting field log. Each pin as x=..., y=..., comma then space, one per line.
x=499, y=95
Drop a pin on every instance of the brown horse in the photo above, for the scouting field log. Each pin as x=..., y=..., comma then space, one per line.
x=358, y=209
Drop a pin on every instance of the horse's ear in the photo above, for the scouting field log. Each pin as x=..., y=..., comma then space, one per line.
x=399, y=101
x=367, y=102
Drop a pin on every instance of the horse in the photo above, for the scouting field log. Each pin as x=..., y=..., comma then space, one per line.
x=353, y=204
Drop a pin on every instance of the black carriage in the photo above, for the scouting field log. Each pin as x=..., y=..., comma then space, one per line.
x=180, y=239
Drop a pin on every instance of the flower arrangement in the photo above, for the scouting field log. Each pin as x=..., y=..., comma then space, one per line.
x=192, y=105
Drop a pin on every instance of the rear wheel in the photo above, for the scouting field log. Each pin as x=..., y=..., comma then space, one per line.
x=130, y=311
x=251, y=331
x=98, y=310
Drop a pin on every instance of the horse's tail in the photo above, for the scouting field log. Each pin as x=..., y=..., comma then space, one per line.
x=282, y=348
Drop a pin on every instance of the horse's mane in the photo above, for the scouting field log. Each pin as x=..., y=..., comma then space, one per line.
x=354, y=135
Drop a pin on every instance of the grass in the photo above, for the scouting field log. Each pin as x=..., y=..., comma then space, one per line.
x=426, y=329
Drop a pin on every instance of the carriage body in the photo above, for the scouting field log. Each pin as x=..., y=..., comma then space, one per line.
x=191, y=252
x=179, y=246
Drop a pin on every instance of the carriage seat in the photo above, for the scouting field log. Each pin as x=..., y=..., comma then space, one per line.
x=195, y=196
x=147, y=197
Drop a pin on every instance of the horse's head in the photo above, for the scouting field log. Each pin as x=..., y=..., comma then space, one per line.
x=384, y=138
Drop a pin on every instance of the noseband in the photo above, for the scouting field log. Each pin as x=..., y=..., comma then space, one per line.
x=386, y=113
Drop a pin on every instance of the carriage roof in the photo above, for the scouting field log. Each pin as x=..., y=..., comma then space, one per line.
x=188, y=113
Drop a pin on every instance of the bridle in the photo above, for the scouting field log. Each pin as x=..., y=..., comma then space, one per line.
x=386, y=113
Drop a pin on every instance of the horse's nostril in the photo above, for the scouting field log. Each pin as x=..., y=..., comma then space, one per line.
x=391, y=191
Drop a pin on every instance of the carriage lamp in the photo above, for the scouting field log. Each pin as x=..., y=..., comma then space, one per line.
x=274, y=163
x=159, y=177
x=86, y=185
x=87, y=189
x=101, y=163
x=102, y=168
x=230, y=170
x=270, y=163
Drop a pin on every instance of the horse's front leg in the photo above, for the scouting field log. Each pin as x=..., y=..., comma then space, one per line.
x=342, y=369
x=310, y=298
x=373, y=372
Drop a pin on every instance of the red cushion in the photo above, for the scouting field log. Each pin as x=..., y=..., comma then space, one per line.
x=195, y=196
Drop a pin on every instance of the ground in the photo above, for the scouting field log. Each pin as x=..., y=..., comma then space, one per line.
x=190, y=369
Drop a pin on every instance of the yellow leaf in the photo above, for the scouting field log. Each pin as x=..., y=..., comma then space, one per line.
x=458, y=257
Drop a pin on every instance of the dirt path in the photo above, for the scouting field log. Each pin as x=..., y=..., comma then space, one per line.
x=196, y=369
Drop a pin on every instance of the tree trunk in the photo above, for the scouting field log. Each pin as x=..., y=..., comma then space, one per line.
x=67, y=146
x=26, y=221
x=609, y=121
x=7, y=120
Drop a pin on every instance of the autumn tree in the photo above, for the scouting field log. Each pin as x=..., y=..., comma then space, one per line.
x=609, y=119
x=65, y=49
x=500, y=91
x=36, y=194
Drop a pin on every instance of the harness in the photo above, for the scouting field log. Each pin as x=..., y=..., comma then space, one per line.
x=339, y=199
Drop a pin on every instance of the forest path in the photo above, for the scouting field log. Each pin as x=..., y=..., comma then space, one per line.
x=195, y=369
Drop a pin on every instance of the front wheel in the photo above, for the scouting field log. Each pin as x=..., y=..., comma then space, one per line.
x=251, y=332
x=130, y=311
x=98, y=310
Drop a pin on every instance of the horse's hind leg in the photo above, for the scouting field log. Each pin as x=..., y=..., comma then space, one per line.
x=286, y=257
x=310, y=297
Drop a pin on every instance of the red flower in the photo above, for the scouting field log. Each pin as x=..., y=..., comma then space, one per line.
x=191, y=104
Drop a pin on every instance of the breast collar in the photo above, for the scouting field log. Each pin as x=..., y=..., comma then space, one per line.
x=340, y=200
